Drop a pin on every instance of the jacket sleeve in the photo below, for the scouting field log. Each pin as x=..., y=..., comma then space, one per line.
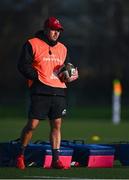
x=25, y=63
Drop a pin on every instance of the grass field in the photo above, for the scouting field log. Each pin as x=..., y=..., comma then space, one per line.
x=80, y=124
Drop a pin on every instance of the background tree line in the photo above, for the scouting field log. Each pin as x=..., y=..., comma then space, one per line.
x=96, y=34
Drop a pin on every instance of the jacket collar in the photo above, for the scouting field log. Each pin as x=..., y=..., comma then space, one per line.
x=41, y=35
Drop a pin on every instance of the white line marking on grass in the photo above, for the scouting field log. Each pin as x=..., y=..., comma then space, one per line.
x=51, y=177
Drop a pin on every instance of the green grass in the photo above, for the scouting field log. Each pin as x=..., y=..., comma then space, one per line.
x=39, y=173
x=71, y=129
x=80, y=124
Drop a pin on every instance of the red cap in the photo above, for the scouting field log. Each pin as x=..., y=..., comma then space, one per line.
x=53, y=23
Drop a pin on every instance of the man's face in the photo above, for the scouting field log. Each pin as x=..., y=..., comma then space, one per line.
x=53, y=35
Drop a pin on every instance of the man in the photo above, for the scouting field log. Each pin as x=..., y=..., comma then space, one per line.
x=40, y=62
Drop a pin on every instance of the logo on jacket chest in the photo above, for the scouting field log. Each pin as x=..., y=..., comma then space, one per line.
x=52, y=58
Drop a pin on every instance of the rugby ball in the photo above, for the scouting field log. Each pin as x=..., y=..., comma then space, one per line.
x=66, y=72
x=70, y=68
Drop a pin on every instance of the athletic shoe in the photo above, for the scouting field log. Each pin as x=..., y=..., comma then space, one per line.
x=20, y=162
x=57, y=165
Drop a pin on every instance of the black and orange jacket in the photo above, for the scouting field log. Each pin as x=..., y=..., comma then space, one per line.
x=39, y=63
